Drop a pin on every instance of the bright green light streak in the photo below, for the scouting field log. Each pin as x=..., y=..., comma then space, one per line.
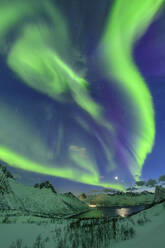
x=126, y=23
x=34, y=59
x=42, y=69
x=17, y=161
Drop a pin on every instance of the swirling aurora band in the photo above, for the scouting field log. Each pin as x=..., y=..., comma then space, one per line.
x=127, y=23
x=36, y=56
x=68, y=173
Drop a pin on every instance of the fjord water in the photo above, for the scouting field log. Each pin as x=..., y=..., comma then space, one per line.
x=100, y=212
x=119, y=211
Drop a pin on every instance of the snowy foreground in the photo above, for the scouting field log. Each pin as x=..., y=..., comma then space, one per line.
x=151, y=234
x=145, y=229
x=40, y=218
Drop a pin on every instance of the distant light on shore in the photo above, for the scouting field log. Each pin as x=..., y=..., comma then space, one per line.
x=92, y=205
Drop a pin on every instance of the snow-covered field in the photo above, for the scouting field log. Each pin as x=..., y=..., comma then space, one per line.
x=150, y=234
x=145, y=230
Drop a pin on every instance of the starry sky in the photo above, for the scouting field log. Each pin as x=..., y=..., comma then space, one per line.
x=64, y=116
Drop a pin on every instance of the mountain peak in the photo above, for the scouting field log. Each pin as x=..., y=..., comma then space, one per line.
x=46, y=185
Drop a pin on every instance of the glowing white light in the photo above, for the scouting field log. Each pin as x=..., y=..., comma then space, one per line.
x=92, y=205
x=123, y=212
x=116, y=177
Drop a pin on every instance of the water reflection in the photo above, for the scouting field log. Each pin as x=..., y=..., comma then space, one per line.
x=119, y=211
x=97, y=212
x=123, y=212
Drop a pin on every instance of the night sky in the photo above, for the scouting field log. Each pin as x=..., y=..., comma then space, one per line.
x=65, y=115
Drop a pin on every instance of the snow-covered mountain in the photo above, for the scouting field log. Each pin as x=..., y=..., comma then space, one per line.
x=120, y=199
x=17, y=196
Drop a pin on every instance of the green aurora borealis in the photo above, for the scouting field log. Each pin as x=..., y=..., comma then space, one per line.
x=39, y=54
x=127, y=23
